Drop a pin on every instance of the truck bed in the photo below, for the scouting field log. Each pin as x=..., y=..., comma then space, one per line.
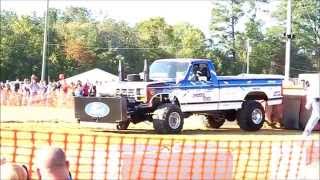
x=250, y=80
x=250, y=77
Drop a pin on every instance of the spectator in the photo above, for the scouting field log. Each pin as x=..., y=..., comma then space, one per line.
x=73, y=88
x=25, y=91
x=78, y=89
x=52, y=164
x=63, y=83
x=7, y=94
x=3, y=161
x=57, y=85
x=13, y=172
x=85, y=89
x=16, y=85
x=43, y=91
x=43, y=87
x=34, y=89
x=93, y=91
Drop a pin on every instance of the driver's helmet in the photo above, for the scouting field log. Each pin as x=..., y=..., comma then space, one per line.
x=195, y=68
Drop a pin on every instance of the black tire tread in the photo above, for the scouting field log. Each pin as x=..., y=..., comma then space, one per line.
x=215, y=121
x=123, y=125
x=244, y=116
x=161, y=125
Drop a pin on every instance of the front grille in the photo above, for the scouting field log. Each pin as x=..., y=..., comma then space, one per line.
x=126, y=92
x=131, y=94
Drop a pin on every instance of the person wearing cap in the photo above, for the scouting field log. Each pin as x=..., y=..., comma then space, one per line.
x=313, y=101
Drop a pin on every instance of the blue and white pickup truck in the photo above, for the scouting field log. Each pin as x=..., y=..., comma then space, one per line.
x=178, y=88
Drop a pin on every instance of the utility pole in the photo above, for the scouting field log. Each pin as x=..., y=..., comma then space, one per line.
x=288, y=42
x=233, y=31
x=249, y=49
x=44, y=49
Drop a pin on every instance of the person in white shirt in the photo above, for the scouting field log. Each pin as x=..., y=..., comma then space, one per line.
x=314, y=102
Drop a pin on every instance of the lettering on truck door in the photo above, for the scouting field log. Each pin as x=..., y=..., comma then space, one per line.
x=199, y=91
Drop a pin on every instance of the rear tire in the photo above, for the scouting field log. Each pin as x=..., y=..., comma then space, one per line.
x=215, y=121
x=168, y=119
x=252, y=116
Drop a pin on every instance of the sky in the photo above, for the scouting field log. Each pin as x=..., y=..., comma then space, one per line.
x=195, y=12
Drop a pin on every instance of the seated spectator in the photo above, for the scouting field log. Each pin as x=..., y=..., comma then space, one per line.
x=52, y=164
x=11, y=171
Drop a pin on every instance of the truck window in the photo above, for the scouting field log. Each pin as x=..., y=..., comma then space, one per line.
x=199, y=70
x=164, y=70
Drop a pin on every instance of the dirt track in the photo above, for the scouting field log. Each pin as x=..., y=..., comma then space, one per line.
x=62, y=120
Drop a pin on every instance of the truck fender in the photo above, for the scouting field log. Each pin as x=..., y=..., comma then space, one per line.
x=156, y=95
x=174, y=99
x=256, y=95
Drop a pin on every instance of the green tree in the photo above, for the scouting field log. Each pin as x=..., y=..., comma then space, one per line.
x=118, y=38
x=224, y=17
x=155, y=37
x=21, y=44
x=188, y=41
x=76, y=14
x=306, y=44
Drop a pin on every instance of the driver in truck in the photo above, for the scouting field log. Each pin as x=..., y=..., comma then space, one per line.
x=195, y=73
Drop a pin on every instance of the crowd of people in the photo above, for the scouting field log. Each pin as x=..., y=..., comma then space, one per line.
x=36, y=92
x=51, y=163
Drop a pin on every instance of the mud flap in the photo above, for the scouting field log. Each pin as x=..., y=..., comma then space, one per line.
x=100, y=109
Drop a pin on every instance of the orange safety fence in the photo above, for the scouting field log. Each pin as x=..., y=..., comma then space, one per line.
x=166, y=157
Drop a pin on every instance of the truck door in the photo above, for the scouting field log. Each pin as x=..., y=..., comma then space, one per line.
x=200, y=92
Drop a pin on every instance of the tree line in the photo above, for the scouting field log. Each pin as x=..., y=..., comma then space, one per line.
x=78, y=42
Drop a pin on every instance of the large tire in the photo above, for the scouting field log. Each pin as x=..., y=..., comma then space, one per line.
x=215, y=121
x=252, y=116
x=137, y=117
x=123, y=125
x=168, y=119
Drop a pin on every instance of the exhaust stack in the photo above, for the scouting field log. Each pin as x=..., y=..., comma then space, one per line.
x=146, y=71
x=120, y=71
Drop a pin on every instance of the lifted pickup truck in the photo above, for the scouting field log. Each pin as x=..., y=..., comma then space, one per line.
x=178, y=88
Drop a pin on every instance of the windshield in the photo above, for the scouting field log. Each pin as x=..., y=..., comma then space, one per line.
x=166, y=70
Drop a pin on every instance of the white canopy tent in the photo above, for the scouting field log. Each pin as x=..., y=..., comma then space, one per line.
x=93, y=76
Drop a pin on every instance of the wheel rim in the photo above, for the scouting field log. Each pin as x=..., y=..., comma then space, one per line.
x=257, y=116
x=174, y=120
